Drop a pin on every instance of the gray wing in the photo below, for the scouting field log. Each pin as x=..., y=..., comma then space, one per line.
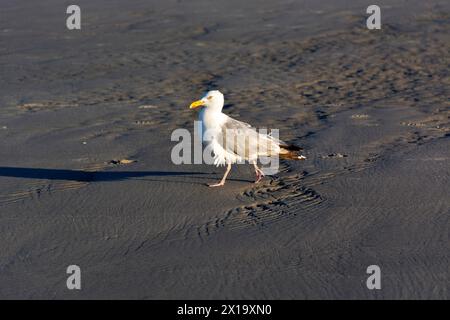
x=245, y=141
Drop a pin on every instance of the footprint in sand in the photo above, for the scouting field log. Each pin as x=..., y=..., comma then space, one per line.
x=360, y=116
x=149, y=106
x=334, y=155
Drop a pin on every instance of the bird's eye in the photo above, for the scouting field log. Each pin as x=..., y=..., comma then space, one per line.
x=209, y=98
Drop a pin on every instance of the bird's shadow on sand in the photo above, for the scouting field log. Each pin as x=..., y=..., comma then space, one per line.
x=91, y=176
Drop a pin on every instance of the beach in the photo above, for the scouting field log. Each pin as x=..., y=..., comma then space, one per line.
x=86, y=176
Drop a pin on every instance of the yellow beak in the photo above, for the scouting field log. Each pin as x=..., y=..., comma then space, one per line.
x=196, y=104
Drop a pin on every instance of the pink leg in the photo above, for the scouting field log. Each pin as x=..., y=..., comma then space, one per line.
x=259, y=173
x=222, y=182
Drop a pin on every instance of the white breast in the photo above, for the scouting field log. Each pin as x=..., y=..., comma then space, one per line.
x=211, y=120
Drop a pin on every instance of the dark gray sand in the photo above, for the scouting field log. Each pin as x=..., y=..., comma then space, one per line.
x=371, y=108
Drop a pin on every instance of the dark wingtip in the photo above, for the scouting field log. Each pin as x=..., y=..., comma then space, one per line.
x=291, y=147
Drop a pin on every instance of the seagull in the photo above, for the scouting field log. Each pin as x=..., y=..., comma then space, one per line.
x=248, y=144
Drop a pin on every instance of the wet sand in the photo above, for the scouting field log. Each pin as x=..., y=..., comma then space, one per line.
x=371, y=109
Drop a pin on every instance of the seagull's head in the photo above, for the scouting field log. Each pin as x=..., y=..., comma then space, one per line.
x=212, y=100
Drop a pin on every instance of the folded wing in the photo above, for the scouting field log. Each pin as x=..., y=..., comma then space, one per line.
x=237, y=141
